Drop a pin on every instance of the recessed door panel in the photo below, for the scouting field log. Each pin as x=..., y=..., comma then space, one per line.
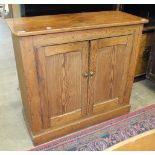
x=63, y=87
x=110, y=59
x=64, y=77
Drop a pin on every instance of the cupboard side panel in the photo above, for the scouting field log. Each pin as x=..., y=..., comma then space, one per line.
x=132, y=64
x=31, y=84
x=21, y=78
x=122, y=68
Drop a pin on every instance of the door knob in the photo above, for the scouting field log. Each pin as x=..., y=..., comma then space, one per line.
x=91, y=73
x=85, y=75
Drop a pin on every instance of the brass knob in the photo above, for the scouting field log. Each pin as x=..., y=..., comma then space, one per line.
x=91, y=73
x=85, y=75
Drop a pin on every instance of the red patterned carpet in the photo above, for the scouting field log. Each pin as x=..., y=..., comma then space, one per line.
x=106, y=134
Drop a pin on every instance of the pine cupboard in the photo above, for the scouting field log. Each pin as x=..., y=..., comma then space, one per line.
x=74, y=70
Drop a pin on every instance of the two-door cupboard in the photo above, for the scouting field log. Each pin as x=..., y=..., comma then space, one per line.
x=75, y=70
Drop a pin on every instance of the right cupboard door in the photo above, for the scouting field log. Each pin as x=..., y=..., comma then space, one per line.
x=109, y=67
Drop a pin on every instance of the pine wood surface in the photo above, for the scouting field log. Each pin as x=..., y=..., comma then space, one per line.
x=70, y=22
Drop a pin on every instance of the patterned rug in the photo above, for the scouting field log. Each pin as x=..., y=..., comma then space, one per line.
x=106, y=134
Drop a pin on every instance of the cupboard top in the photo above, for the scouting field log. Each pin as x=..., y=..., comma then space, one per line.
x=26, y=26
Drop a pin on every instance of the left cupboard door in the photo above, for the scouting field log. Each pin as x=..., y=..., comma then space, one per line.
x=62, y=78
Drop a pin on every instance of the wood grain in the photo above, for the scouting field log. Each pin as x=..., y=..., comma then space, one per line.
x=31, y=84
x=21, y=78
x=61, y=49
x=43, y=86
x=83, y=35
x=132, y=65
x=110, y=63
x=123, y=69
x=77, y=125
x=62, y=87
x=106, y=106
x=70, y=22
x=65, y=118
x=112, y=41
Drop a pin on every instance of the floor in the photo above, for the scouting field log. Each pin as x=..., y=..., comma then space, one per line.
x=13, y=132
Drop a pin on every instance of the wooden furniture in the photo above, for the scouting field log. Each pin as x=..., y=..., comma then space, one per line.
x=143, y=54
x=75, y=70
x=141, y=142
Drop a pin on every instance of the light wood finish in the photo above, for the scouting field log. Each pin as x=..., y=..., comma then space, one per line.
x=93, y=34
x=77, y=74
x=31, y=83
x=141, y=142
x=77, y=125
x=71, y=22
x=132, y=66
x=62, y=86
x=105, y=106
x=109, y=82
x=66, y=118
x=141, y=61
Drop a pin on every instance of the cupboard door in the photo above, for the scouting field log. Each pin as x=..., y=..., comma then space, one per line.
x=109, y=66
x=62, y=86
